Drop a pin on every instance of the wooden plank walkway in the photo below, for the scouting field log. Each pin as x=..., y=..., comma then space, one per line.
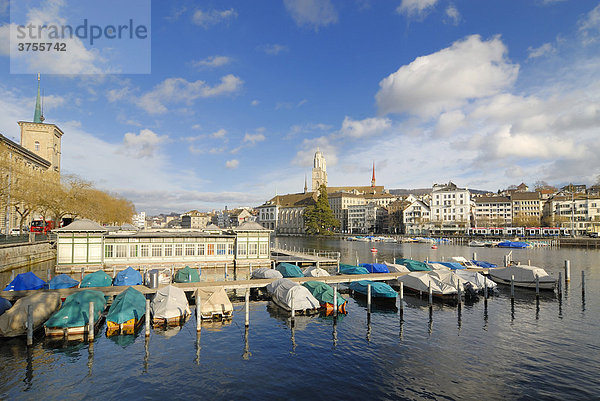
x=292, y=256
x=228, y=285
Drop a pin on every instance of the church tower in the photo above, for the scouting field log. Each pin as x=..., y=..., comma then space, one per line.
x=319, y=171
x=373, y=179
x=40, y=138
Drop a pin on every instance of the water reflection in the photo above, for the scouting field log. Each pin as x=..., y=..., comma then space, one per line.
x=430, y=325
x=197, y=359
x=29, y=369
x=146, y=353
x=90, y=361
x=247, y=354
x=368, y=327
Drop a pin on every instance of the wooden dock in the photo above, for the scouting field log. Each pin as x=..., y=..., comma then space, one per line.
x=227, y=285
x=305, y=257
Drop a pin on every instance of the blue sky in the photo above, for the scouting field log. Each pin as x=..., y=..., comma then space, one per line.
x=241, y=94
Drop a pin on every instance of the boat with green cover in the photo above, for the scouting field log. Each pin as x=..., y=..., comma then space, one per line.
x=324, y=294
x=379, y=291
x=351, y=269
x=413, y=265
x=186, y=275
x=73, y=317
x=289, y=270
x=126, y=312
x=96, y=279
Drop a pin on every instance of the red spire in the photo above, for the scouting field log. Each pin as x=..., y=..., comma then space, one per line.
x=373, y=179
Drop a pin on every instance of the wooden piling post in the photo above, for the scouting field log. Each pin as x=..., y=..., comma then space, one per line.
x=474, y=255
x=225, y=271
x=512, y=287
x=582, y=282
x=560, y=284
x=567, y=271
x=198, y=311
x=537, y=286
x=251, y=268
x=293, y=312
x=81, y=277
x=147, y=329
x=247, y=306
x=29, y=325
x=401, y=298
x=458, y=292
x=91, y=323
x=369, y=299
x=114, y=272
x=335, y=302
x=430, y=294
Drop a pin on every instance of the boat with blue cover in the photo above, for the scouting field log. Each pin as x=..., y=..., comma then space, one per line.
x=514, y=244
x=375, y=267
x=61, y=281
x=126, y=313
x=73, y=317
x=351, y=269
x=129, y=276
x=379, y=291
x=288, y=270
x=25, y=282
x=451, y=265
x=96, y=279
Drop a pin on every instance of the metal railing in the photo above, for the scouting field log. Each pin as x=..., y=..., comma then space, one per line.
x=25, y=238
x=311, y=252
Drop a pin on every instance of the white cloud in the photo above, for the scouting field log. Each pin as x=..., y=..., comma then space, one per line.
x=219, y=134
x=469, y=69
x=254, y=103
x=453, y=14
x=304, y=157
x=114, y=95
x=208, y=19
x=212, y=62
x=415, y=7
x=142, y=145
x=312, y=13
x=253, y=138
x=589, y=26
x=368, y=127
x=544, y=50
x=179, y=90
x=273, y=49
x=449, y=122
x=231, y=164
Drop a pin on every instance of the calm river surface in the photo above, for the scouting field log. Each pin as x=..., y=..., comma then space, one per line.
x=498, y=352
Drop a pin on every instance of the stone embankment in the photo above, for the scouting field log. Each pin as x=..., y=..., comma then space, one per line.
x=15, y=256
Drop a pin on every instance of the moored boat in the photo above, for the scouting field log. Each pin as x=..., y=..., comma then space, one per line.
x=13, y=322
x=73, y=317
x=289, y=270
x=4, y=305
x=25, y=282
x=324, y=294
x=126, y=313
x=513, y=244
x=61, y=281
x=215, y=305
x=129, y=276
x=169, y=306
x=420, y=281
x=413, y=265
x=380, y=292
x=375, y=267
x=186, y=275
x=266, y=272
x=351, y=269
x=315, y=271
x=286, y=293
x=96, y=279
x=524, y=276
x=396, y=268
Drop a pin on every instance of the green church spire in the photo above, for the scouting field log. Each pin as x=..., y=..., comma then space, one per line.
x=37, y=117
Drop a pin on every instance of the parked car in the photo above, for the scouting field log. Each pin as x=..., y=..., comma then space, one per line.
x=18, y=231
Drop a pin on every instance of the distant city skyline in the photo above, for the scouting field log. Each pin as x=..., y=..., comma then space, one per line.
x=241, y=95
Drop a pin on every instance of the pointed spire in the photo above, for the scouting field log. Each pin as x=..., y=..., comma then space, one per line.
x=37, y=116
x=373, y=179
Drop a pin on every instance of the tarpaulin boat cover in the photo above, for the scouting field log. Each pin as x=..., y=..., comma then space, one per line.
x=96, y=279
x=419, y=281
x=13, y=321
x=395, y=268
x=451, y=265
x=4, y=305
x=266, y=272
x=450, y=278
x=513, y=244
x=378, y=289
x=186, y=275
x=61, y=281
x=170, y=302
x=283, y=291
x=76, y=309
x=129, y=276
x=375, y=267
x=215, y=303
x=130, y=304
x=25, y=281
x=351, y=269
x=437, y=266
x=323, y=292
x=481, y=263
x=314, y=271
x=522, y=273
x=477, y=280
x=289, y=270
x=413, y=265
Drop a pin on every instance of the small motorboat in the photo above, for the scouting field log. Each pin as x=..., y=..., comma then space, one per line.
x=13, y=322
x=215, y=305
x=351, y=269
x=126, y=313
x=186, y=275
x=434, y=247
x=286, y=293
x=477, y=280
x=374, y=250
x=289, y=270
x=324, y=294
x=524, y=276
x=266, y=272
x=129, y=276
x=477, y=244
x=514, y=244
x=73, y=317
x=396, y=268
x=413, y=265
x=96, y=279
x=449, y=265
x=375, y=267
x=315, y=271
x=379, y=291
x=169, y=306
x=420, y=281
x=25, y=282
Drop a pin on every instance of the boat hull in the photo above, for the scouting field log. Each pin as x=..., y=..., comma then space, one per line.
x=129, y=327
x=544, y=285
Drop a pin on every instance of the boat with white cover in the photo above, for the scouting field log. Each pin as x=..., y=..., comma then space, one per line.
x=419, y=282
x=284, y=292
x=524, y=276
x=315, y=271
x=170, y=306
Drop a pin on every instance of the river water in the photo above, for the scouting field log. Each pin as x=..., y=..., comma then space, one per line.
x=493, y=351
